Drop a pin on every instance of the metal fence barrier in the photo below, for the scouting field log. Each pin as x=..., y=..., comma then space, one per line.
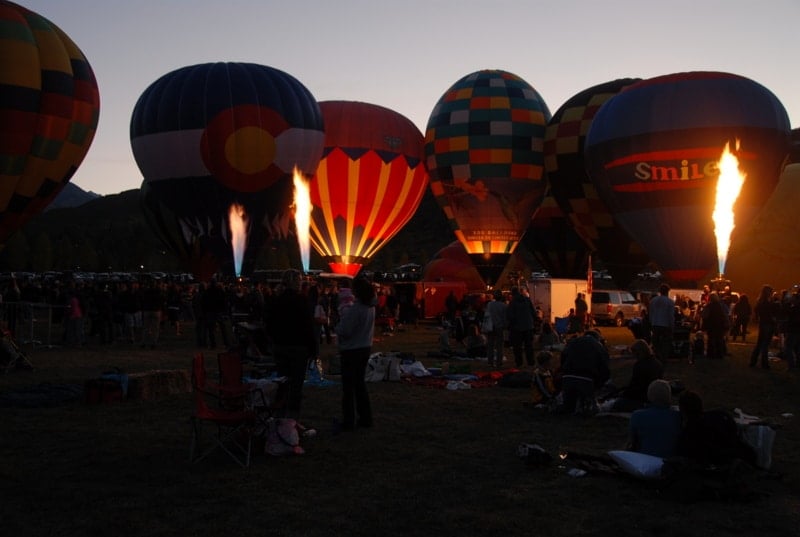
x=33, y=324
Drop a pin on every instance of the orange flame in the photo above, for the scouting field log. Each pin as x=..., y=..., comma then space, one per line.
x=237, y=220
x=302, y=216
x=729, y=186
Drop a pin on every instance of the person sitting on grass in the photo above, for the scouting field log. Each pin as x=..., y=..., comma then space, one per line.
x=654, y=430
x=475, y=342
x=646, y=369
x=543, y=387
x=710, y=437
x=584, y=368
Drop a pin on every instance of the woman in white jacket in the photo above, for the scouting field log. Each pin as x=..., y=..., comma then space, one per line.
x=354, y=334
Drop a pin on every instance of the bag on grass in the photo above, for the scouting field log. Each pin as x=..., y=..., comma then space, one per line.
x=283, y=438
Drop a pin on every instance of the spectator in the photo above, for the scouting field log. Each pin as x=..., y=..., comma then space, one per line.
x=496, y=309
x=646, y=369
x=661, y=313
x=519, y=319
x=655, y=430
x=584, y=367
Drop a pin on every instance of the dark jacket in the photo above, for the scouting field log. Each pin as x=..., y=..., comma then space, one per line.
x=586, y=357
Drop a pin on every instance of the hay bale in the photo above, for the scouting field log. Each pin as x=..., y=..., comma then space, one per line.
x=158, y=383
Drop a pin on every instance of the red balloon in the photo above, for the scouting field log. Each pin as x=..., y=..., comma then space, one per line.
x=368, y=184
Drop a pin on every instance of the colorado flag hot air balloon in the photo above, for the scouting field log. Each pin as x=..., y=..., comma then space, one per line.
x=49, y=108
x=483, y=148
x=368, y=184
x=212, y=136
x=652, y=151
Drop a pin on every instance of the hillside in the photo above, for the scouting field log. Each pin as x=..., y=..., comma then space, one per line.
x=102, y=233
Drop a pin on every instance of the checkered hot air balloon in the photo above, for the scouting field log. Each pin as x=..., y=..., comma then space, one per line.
x=210, y=135
x=368, y=184
x=483, y=148
x=573, y=189
x=49, y=107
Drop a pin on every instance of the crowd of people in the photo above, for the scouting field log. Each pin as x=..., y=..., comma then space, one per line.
x=295, y=317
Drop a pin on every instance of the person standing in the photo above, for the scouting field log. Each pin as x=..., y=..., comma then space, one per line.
x=519, y=319
x=496, y=310
x=716, y=324
x=581, y=313
x=766, y=312
x=354, y=334
x=661, y=313
x=289, y=322
x=742, y=311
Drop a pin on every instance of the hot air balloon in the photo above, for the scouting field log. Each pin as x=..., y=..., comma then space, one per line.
x=573, y=189
x=554, y=243
x=210, y=136
x=368, y=184
x=452, y=263
x=652, y=152
x=768, y=251
x=49, y=107
x=483, y=147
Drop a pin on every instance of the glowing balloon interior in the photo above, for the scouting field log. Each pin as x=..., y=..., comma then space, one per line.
x=368, y=184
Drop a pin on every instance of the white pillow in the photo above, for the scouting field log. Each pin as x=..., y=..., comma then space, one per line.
x=638, y=464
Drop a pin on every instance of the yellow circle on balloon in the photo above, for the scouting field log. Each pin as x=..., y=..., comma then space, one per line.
x=250, y=149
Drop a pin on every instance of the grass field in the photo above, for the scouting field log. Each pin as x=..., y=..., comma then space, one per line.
x=437, y=462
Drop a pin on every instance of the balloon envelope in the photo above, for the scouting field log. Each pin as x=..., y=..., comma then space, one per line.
x=212, y=135
x=483, y=147
x=573, y=189
x=49, y=108
x=452, y=263
x=652, y=151
x=368, y=184
x=554, y=243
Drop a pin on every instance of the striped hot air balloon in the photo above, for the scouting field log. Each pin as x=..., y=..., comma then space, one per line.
x=212, y=135
x=368, y=184
x=49, y=108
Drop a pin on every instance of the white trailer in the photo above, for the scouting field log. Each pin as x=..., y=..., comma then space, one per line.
x=555, y=296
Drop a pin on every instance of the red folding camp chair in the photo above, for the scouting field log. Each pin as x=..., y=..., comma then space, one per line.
x=234, y=426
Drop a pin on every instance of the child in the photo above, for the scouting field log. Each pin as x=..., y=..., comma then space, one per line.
x=543, y=388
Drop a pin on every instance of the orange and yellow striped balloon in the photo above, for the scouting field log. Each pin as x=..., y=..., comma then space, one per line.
x=368, y=184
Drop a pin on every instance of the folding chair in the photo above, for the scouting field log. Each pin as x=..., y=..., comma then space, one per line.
x=234, y=426
x=265, y=397
x=561, y=327
x=233, y=392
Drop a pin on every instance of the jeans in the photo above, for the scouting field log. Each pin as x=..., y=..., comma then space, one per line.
x=355, y=398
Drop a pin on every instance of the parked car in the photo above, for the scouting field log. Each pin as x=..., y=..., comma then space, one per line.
x=614, y=307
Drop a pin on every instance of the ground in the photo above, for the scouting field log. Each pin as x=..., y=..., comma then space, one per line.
x=437, y=461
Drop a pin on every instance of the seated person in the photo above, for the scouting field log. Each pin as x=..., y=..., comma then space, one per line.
x=584, y=367
x=646, y=369
x=543, y=388
x=475, y=342
x=548, y=337
x=654, y=430
x=709, y=437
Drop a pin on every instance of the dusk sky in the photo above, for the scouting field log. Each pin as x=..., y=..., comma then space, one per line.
x=404, y=55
